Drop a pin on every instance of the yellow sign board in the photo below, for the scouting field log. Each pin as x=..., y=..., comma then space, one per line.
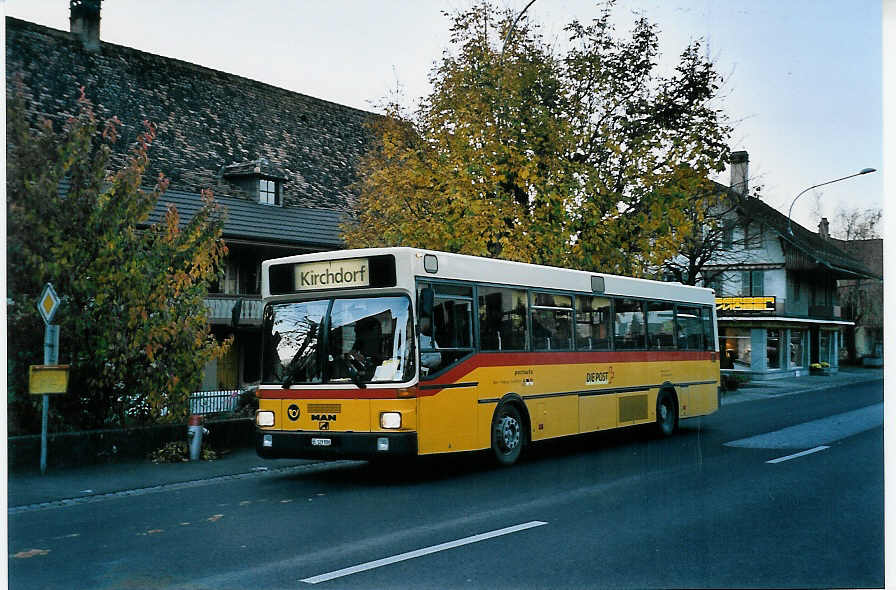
x=47, y=379
x=745, y=303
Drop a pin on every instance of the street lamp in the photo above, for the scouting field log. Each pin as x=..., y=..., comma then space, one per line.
x=789, y=211
x=513, y=26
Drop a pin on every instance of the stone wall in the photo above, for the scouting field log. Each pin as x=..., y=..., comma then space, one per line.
x=70, y=449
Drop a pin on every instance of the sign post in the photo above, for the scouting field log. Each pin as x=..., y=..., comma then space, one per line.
x=47, y=305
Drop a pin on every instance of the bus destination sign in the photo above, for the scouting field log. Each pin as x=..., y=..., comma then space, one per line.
x=332, y=274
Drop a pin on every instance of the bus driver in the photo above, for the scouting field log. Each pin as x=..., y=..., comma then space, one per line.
x=429, y=361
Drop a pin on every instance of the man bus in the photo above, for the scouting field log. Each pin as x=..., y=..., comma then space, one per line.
x=400, y=351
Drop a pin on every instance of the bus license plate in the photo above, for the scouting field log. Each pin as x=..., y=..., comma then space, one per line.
x=321, y=442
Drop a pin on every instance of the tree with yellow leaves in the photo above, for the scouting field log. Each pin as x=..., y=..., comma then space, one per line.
x=585, y=158
x=133, y=323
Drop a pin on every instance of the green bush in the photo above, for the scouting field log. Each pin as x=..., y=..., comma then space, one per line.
x=732, y=382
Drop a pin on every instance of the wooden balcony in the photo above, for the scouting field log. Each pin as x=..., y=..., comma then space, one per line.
x=221, y=309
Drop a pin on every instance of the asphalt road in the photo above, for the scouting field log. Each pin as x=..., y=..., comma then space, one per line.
x=705, y=508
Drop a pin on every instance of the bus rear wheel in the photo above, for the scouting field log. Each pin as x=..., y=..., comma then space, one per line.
x=508, y=434
x=666, y=414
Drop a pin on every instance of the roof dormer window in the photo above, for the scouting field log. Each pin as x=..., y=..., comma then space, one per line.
x=259, y=180
x=268, y=192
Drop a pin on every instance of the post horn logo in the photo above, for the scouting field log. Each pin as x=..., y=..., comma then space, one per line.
x=293, y=412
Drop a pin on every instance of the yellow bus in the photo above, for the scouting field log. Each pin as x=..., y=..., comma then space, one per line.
x=400, y=351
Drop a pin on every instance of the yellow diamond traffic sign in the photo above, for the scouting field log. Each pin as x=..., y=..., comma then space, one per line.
x=48, y=303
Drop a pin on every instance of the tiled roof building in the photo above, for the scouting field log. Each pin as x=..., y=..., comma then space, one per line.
x=281, y=163
x=778, y=306
x=207, y=120
x=806, y=248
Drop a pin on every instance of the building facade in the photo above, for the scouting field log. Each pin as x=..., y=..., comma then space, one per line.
x=280, y=163
x=862, y=300
x=778, y=303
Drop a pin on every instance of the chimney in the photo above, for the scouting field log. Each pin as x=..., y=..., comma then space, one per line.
x=823, y=228
x=84, y=22
x=740, y=180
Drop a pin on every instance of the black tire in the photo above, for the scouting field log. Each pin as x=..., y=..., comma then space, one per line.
x=508, y=434
x=666, y=413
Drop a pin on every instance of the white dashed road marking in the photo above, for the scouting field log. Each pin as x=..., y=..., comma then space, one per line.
x=795, y=455
x=421, y=552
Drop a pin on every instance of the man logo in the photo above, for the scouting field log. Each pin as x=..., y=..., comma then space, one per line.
x=324, y=426
x=293, y=412
x=322, y=417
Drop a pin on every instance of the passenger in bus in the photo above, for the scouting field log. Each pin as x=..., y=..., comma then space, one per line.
x=429, y=361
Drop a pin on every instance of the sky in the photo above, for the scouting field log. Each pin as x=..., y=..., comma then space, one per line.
x=803, y=78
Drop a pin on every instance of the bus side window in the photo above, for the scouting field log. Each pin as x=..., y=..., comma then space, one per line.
x=689, y=327
x=709, y=336
x=551, y=322
x=660, y=325
x=629, y=325
x=451, y=328
x=592, y=323
x=502, y=318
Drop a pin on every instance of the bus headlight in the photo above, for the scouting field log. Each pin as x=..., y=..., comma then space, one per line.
x=390, y=420
x=264, y=418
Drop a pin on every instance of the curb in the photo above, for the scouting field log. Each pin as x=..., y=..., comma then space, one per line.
x=748, y=396
x=164, y=487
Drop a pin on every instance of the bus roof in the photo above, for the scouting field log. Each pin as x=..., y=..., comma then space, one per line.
x=461, y=267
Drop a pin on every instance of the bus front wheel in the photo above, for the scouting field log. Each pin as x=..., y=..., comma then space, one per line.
x=508, y=434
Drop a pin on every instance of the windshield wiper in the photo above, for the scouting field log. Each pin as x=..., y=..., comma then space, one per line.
x=355, y=363
x=355, y=375
x=299, y=360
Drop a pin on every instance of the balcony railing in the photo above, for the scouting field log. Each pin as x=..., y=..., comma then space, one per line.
x=825, y=311
x=221, y=309
x=213, y=402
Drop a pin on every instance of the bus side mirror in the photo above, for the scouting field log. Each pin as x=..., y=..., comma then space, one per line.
x=426, y=302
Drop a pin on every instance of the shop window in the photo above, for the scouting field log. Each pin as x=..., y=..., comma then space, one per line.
x=629, y=332
x=796, y=349
x=551, y=322
x=773, y=349
x=736, y=345
x=592, y=323
x=824, y=346
x=502, y=318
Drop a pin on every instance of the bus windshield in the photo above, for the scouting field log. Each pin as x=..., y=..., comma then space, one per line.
x=339, y=340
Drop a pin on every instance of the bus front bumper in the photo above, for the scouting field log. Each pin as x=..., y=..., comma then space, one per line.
x=304, y=444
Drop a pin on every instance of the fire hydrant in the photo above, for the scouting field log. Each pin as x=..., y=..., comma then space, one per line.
x=194, y=437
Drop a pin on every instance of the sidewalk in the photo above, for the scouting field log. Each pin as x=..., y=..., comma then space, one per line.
x=28, y=490
x=80, y=484
x=792, y=385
